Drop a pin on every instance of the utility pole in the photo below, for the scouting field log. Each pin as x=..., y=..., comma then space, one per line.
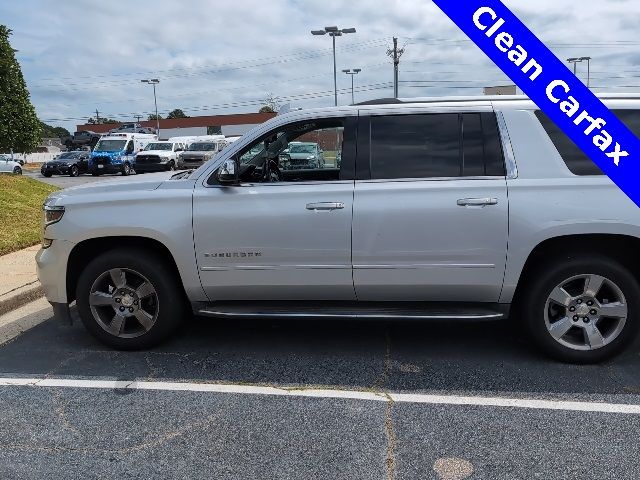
x=395, y=54
x=97, y=116
x=138, y=117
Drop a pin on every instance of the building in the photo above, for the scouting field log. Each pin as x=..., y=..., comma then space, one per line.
x=235, y=124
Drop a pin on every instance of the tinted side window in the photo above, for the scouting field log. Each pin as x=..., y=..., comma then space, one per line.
x=577, y=162
x=415, y=146
x=436, y=145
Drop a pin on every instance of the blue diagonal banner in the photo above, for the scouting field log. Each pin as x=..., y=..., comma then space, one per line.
x=552, y=86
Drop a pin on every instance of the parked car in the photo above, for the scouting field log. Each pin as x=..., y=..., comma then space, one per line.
x=116, y=153
x=158, y=157
x=475, y=209
x=9, y=166
x=67, y=163
x=302, y=155
x=132, y=128
x=200, y=152
x=9, y=157
x=81, y=139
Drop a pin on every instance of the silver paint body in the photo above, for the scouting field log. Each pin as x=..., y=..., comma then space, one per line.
x=391, y=240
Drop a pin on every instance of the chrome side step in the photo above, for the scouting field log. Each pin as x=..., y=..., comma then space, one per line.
x=379, y=311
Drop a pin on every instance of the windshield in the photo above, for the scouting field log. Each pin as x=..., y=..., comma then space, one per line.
x=68, y=155
x=202, y=147
x=110, y=145
x=159, y=146
x=302, y=148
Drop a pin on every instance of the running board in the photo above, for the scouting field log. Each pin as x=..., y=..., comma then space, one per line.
x=356, y=310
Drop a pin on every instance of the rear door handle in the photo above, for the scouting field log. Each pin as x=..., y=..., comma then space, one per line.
x=325, y=206
x=477, y=202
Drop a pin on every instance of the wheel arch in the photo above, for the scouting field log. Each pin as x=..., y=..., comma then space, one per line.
x=85, y=251
x=624, y=249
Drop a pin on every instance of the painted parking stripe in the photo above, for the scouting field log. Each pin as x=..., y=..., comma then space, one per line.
x=478, y=401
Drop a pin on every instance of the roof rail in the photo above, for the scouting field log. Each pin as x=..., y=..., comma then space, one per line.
x=380, y=101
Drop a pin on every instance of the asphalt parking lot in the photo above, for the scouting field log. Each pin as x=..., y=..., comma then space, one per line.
x=291, y=399
x=65, y=181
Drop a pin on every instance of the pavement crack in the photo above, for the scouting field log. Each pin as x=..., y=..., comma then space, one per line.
x=59, y=407
x=390, y=459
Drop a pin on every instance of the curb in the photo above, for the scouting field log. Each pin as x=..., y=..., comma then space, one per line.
x=20, y=297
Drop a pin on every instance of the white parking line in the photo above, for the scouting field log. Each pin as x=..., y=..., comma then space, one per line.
x=528, y=403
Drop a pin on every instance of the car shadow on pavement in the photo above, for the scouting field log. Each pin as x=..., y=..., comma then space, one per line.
x=464, y=357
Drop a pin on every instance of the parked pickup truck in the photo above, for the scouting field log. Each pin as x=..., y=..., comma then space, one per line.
x=81, y=139
x=452, y=208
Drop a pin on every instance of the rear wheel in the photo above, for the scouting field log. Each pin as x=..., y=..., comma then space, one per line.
x=129, y=299
x=582, y=310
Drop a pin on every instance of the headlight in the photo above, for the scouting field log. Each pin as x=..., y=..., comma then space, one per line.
x=52, y=214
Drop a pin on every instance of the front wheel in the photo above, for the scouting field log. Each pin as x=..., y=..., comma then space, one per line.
x=129, y=299
x=17, y=171
x=172, y=166
x=126, y=169
x=583, y=309
x=73, y=171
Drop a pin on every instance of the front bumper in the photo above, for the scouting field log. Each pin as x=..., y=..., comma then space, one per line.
x=51, y=266
x=151, y=167
x=56, y=170
x=190, y=162
x=105, y=168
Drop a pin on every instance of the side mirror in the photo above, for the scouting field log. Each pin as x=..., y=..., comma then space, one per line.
x=227, y=174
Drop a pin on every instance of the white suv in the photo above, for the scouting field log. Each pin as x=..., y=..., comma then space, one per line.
x=453, y=208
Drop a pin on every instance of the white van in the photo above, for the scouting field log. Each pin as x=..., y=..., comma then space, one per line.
x=115, y=152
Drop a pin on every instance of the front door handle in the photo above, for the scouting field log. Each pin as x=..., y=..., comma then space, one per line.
x=325, y=206
x=477, y=202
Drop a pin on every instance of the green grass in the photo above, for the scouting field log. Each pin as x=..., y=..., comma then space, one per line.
x=21, y=201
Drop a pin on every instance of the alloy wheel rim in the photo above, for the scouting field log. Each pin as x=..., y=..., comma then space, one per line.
x=585, y=312
x=124, y=303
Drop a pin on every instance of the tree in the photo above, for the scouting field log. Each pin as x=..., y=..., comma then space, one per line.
x=177, y=113
x=19, y=126
x=271, y=104
x=103, y=120
x=153, y=116
x=53, y=132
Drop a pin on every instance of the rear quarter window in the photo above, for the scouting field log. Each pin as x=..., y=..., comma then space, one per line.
x=575, y=159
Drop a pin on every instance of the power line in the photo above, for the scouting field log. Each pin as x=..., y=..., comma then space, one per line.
x=277, y=61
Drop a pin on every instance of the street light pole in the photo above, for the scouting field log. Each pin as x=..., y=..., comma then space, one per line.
x=575, y=62
x=588, y=60
x=333, y=33
x=352, y=73
x=154, y=82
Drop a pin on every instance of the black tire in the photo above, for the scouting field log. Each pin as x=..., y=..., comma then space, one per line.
x=126, y=169
x=47, y=174
x=17, y=171
x=542, y=281
x=171, y=303
x=73, y=171
x=171, y=166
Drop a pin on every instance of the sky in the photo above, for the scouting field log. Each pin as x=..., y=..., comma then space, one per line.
x=219, y=57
